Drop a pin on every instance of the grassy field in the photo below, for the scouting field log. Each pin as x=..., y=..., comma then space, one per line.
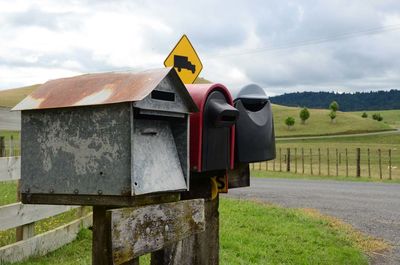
x=257, y=233
x=319, y=123
x=11, y=97
x=390, y=117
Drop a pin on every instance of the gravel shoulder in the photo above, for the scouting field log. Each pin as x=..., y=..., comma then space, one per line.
x=373, y=208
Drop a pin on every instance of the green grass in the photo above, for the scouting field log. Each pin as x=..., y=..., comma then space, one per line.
x=255, y=233
x=319, y=123
x=390, y=117
x=289, y=175
x=11, y=97
x=8, y=192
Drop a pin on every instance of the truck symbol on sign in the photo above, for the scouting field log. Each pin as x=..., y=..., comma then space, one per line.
x=182, y=62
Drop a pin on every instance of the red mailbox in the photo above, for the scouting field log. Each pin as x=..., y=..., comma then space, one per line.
x=212, y=132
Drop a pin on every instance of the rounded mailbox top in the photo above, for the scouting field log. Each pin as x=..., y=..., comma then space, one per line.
x=252, y=91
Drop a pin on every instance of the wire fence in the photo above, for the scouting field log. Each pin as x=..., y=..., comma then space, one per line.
x=350, y=162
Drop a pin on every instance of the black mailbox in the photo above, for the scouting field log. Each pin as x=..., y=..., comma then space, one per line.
x=255, y=136
x=212, y=128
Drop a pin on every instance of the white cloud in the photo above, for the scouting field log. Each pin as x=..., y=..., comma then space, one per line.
x=239, y=43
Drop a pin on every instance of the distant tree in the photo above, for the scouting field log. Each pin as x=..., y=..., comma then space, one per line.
x=364, y=115
x=289, y=122
x=304, y=115
x=334, y=106
x=377, y=116
x=332, y=115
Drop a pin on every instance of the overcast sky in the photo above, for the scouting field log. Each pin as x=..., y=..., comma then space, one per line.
x=284, y=46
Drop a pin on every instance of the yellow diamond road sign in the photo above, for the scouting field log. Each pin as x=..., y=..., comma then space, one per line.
x=185, y=61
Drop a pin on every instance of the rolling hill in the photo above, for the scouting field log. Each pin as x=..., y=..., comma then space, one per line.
x=10, y=97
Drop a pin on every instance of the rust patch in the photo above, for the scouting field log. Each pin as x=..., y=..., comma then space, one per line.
x=94, y=89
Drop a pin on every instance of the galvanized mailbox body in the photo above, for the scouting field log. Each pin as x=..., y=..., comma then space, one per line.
x=111, y=134
x=255, y=136
x=212, y=134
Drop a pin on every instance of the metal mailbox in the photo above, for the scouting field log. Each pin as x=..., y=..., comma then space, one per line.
x=212, y=134
x=255, y=136
x=107, y=134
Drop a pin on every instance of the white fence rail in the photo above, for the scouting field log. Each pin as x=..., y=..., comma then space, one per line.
x=10, y=168
x=25, y=215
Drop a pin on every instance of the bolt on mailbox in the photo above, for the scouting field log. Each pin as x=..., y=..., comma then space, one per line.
x=212, y=134
x=255, y=135
x=108, y=134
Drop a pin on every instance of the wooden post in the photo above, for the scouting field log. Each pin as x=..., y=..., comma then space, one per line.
x=280, y=159
x=259, y=166
x=380, y=163
x=319, y=161
x=288, y=160
x=327, y=155
x=2, y=147
x=266, y=165
x=295, y=160
x=347, y=164
x=273, y=164
x=340, y=158
x=311, y=162
x=101, y=250
x=369, y=163
x=337, y=163
x=302, y=160
x=358, y=161
x=11, y=146
x=390, y=164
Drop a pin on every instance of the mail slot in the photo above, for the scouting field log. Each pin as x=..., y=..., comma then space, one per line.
x=109, y=134
x=212, y=134
x=255, y=136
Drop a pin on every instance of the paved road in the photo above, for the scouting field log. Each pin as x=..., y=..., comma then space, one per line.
x=10, y=120
x=373, y=208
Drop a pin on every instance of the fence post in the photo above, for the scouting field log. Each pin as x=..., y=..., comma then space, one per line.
x=380, y=163
x=390, y=164
x=266, y=165
x=319, y=161
x=2, y=147
x=311, y=162
x=273, y=164
x=358, y=161
x=295, y=160
x=280, y=159
x=259, y=166
x=337, y=163
x=369, y=163
x=327, y=154
x=288, y=160
x=347, y=164
x=302, y=160
x=11, y=146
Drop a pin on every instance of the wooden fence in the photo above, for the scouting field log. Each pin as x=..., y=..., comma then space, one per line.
x=23, y=217
x=354, y=162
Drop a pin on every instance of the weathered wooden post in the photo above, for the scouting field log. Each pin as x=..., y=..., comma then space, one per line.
x=327, y=157
x=302, y=160
x=280, y=159
x=347, y=164
x=358, y=162
x=319, y=161
x=295, y=160
x=311, y=162
x=288, y=160
x=2, y=147
x=390, y=164
x=369, y=163
x=380, y=163
x=337, y=163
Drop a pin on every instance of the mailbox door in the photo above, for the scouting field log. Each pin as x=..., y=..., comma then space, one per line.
x=255, y=136
x=216, y=139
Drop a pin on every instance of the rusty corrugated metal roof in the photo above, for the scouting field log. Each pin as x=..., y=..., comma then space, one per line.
x=94, y=89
